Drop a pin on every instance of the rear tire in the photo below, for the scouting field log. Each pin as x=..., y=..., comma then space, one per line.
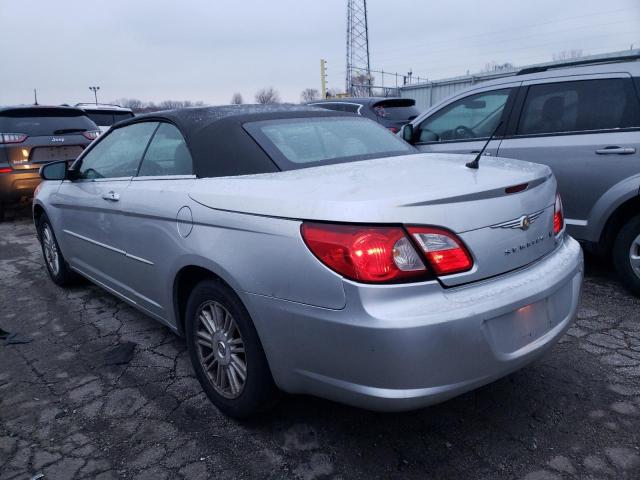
x=626, y=254
x=224, y=347
x=57, y=266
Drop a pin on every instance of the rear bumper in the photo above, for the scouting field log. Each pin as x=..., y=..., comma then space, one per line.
x=408, y=346
x=16, y=185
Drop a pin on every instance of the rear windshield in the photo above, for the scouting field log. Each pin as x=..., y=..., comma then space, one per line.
x=396, y=112
x=106, y=119
x=35, y=122
x=305, y=142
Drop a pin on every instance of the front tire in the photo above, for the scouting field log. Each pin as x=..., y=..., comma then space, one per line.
x=626, y=254
x=226, y=352
x=57, y=266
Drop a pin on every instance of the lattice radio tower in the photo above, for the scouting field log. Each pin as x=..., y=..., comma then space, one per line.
x=358, y=68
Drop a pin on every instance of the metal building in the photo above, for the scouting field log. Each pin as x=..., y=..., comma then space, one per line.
x=431, y=93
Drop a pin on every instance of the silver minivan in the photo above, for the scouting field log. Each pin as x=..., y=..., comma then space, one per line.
x=580, y=119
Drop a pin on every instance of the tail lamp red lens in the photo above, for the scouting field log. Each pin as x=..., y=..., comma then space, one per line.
x=444, y=251
x=558, y=216
x=393, y=129
x=366, y=254
x=92, y=134
x=6, y=170
x=385, y=254
x=12, y=137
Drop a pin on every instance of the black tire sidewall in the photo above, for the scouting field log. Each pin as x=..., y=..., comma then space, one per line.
x=64, y=276
x=622, y=245
x=259, y=391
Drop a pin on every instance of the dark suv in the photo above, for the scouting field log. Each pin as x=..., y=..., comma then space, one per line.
x=392, y=113
x=31, y=136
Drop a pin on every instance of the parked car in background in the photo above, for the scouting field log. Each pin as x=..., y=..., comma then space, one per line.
x=315, y=252
x=33, y=135
x=582, y=120
x=392, y=113
x=104, y=115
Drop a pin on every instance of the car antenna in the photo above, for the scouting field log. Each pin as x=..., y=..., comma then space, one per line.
x=35, y=96
x=476, y=161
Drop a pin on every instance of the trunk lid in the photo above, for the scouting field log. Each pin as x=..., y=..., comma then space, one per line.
x=424, y=189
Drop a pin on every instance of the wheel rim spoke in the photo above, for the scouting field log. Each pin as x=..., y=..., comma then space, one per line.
x=221, y=349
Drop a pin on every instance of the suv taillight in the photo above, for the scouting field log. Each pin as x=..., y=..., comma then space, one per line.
x=92, y=134
x=12, y=137
x=366, y=254
x=444, y=251
x=558, y=216
x=386, y=254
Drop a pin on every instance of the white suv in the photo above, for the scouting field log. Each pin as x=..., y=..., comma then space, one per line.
x=105, y=115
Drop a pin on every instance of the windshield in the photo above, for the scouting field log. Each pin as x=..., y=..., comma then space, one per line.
x=35, y=122
x=304, y=142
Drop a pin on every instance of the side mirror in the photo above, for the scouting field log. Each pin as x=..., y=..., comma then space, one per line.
x=407, y=133
x=54, y=170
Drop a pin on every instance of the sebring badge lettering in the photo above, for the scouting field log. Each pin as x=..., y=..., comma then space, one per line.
x=524, y=246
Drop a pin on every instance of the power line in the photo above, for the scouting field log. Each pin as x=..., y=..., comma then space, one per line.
x=520, y=28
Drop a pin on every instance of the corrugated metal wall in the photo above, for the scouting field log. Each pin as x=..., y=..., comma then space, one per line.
x=431, y=93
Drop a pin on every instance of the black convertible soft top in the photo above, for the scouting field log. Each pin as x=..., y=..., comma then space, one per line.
x=216, y=140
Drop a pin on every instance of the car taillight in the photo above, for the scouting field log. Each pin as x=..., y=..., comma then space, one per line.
x=558, y=216
x=92, y=134
x=6, y=170
x=444, y=251
x=393, y=129
x=363, y=253
x=12, y=137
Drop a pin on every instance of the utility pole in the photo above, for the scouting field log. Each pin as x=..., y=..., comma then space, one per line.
x=95, y=93
x=323, y=78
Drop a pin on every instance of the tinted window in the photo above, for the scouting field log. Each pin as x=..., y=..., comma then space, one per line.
x=104, y=119
x=582, y=105
x=294, y=143
x=396, y=112
x=338, y=107
x=43, y=121
x=476, y=116
x=107, y=118
x=118, y=154
x=167, y=154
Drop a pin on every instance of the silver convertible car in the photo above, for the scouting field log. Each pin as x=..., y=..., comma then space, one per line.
x=312, y=251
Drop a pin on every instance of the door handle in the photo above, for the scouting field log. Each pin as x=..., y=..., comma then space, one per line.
x=111, y=196
x=613, y=150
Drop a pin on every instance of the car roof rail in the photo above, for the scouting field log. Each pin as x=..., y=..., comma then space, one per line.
x=575, y=63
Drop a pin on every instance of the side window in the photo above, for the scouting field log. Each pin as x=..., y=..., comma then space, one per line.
x=469, y=118
x=351, y=108
x=119, y=153
x=167, y=154
x=579, y=106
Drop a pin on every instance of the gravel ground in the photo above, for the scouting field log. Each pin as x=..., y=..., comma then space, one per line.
x=68, y=410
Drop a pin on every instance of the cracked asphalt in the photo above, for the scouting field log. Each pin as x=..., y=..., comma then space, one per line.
x=68, y=410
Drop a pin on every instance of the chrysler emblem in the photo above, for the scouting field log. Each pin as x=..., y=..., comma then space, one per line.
x=525, y=222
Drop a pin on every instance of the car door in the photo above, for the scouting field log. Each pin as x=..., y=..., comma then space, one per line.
x=464, y=125
x=157, y=219
x=586, y=128
x=92, y=236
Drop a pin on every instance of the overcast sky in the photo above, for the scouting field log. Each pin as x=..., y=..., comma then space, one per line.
x=208, y=49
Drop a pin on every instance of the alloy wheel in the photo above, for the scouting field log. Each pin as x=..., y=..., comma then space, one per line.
x=221, y=349
x=50, y=247
x=634, y=256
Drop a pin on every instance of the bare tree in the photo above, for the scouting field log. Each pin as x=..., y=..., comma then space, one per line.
x=267, y=95
x=362, y=84
x=132, y=103
x=567, y=55
x=309, y=95
x=492, y=67
x=236, y=99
